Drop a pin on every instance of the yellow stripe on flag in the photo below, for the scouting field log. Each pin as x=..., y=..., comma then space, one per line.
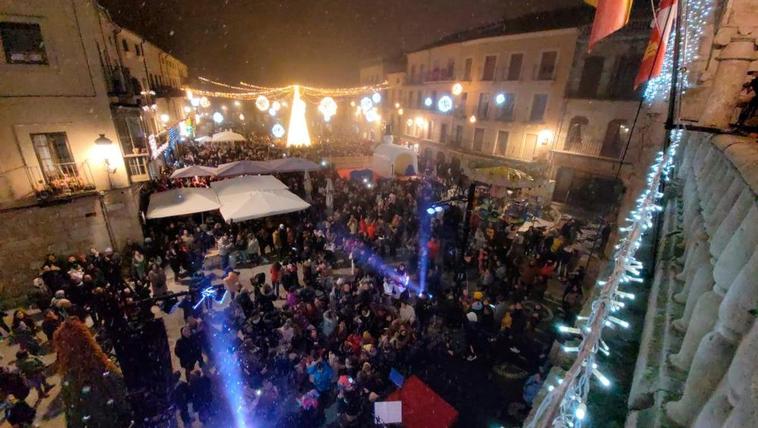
x=592, y=3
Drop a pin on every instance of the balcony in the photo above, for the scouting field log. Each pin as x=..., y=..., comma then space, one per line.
x=61, y=180
x=168, y=92
x=124, y=88
x=590, y=163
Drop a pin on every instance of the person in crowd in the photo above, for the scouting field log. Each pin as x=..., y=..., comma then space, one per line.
x=33, y=370
x=189, y=351
x=326, y=336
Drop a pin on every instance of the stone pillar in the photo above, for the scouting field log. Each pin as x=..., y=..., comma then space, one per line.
x=738, y=297
x=715, y=352
x=700, y=283
x=727, y=83
x=731, y=222
x=722, y=181
x=739, y=249
x=698, y=257
x=735, y=388
x=725, y=204
x=711, y=361
x=704, y=319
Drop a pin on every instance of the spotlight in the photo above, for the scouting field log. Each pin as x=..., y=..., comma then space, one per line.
x=428, y=101
x=430, y=210
x=439, y=209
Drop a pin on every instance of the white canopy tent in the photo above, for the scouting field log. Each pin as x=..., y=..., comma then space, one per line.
x=203, y=139
x=258, y=204
x=194, y=171
x=183, y=201
x=390, y=160
x=243, y=167
x=246, y=184
x=227, y=136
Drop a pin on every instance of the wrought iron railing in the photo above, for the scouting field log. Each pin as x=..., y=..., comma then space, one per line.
x=61, y=179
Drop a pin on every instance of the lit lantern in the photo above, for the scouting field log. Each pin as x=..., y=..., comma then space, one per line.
x=262, y=103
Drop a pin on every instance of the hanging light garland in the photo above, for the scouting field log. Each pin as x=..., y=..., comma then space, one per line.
x=565, y=404
x=247, y=91
x=696, y=15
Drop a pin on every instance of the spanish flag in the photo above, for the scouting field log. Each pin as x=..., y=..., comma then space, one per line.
x=652, y=59
x=610, y=16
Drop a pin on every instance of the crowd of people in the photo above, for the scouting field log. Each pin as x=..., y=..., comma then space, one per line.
x=349, y=291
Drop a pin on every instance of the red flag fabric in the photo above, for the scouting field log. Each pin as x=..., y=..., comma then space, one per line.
x=652, y=60
x=610, y=16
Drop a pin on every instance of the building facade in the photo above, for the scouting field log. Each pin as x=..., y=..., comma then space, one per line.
x=493, y=93
x=67, y=75
x=593, y=154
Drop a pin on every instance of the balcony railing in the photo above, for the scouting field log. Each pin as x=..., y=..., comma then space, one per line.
x=61, y=179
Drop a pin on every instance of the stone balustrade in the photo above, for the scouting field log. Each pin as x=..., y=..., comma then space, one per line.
x=697, y=364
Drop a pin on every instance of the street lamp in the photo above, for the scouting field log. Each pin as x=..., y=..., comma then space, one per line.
x=105, y=143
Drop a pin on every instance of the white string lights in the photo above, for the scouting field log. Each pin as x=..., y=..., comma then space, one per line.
x=696, y=14
x=565, y=403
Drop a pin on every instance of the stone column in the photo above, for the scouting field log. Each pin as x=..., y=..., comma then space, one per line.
x=701, y=282
x=740, y=296
x=731, y=222
x=727, y=83
x=725, y=204
x=735, y=388
x=698, y=257
x=739, y=249
x=715, y=352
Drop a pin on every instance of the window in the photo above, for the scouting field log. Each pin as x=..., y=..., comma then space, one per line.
x=590, y=80
x=467, y=69
x=22, y=43
x=483, y=106
x=539, y=105
x=450, y=69
x=575, y=133
x=514, y=67
x=429, y=130
x=547, y=65
x=413, y=74
x=489, y=67
x=443, y=133
x=130, y=133
x=616, y=136
x=421, y=71
x=502, y=143
x=622, y=83
x=434, y=100
x=420, y=100
x=506, y=108
x=54, y=156
x=478, y=139
x=125, y=45
x=137, y=50
x=462, y=107
x=458, y=136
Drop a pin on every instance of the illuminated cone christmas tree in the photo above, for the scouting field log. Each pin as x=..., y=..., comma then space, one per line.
x=297, y=134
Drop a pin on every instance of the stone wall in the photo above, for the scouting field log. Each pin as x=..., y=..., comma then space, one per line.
x=697, y=365
x=28, y=234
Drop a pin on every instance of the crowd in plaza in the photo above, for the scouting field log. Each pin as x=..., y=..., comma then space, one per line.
x=351, y=290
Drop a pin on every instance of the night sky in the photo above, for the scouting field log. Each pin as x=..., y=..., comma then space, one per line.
x=305, y=41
